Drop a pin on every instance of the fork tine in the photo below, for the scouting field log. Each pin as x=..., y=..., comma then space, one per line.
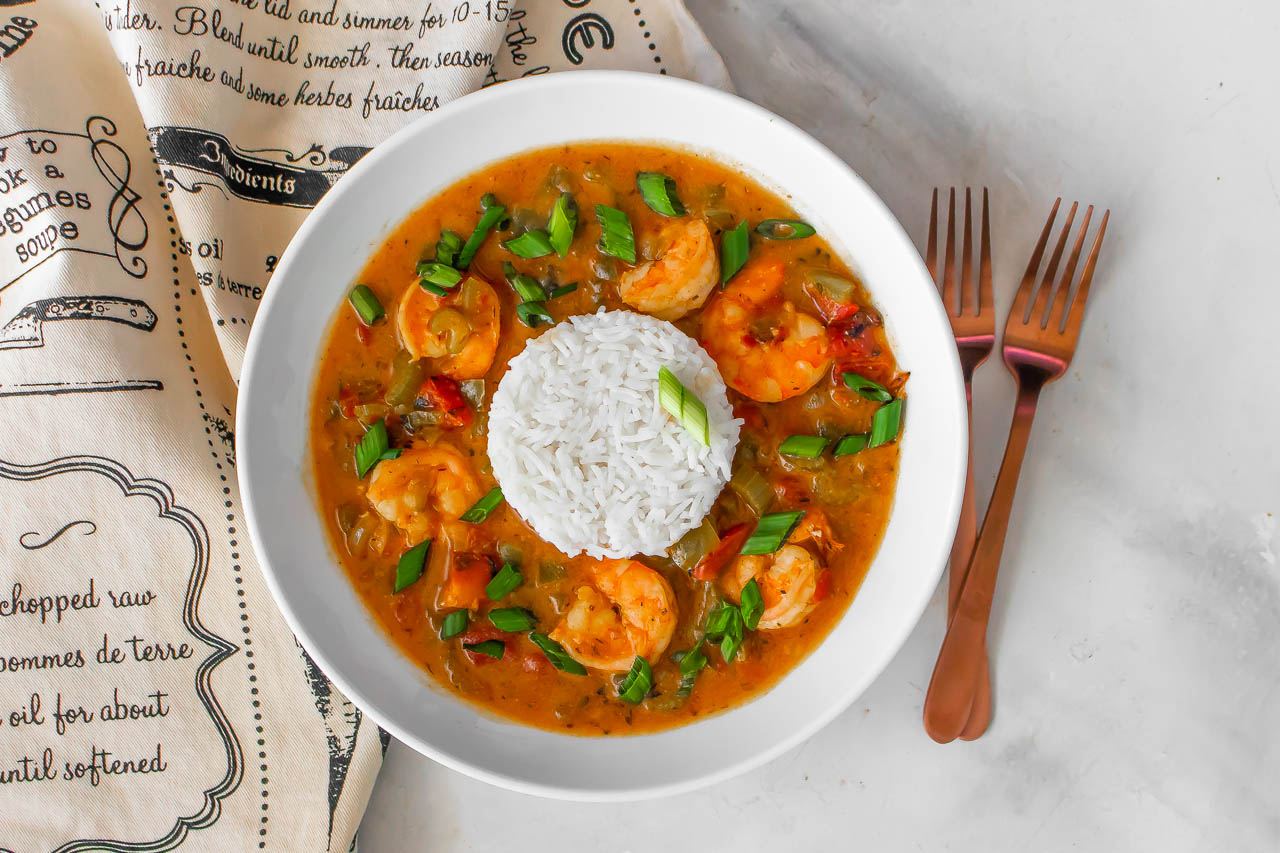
x=931, y=254
x=1051, y=271
x=967, y=285
x=1076, y=317
x=1058, y=312
x=986, y=302
x=1023, y=297
x=949, y=257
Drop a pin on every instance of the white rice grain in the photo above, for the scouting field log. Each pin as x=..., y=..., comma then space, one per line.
x=584, y=453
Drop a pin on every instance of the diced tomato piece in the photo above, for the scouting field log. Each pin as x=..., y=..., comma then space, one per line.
x=789, y=490
x=478, y=633
x=465, y=579
x=347, y=401
x=823, y=588
x=832, y=310
x=363, y=333
x=444, y=395
x=408, y=609
x=710, y=566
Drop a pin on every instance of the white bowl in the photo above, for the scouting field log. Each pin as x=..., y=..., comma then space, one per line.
x=311, y=283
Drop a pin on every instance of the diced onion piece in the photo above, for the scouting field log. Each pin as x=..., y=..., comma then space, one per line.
x=752, y=486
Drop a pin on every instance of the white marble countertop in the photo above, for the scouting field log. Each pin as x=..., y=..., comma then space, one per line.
x=1136, y=638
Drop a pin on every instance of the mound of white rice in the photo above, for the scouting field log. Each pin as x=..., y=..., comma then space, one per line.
x=584, y=453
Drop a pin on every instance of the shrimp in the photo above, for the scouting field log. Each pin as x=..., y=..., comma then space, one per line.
x=764, y=347
x=424, y=490
x=788, y=582
x=460, y=329
x=630, y=610
x=680, y=278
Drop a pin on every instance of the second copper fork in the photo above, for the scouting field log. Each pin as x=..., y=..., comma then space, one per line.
x=1040, y=340
x=971, y=309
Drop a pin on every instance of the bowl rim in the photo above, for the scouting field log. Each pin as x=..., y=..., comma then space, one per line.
x=254, y=519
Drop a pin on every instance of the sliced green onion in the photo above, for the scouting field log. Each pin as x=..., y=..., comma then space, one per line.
x=512, y=619
x=480, y=509
x=488, y=200
x=493, y=213
x=373, y=447
x=725, y=626
x=525, y=286
x=562, y=290
x=555, y=653
x=454, y=624
x=506, y=580
x=885, y=423
x=562, y=223
x=533, y=313
x=865, y=388
x=433, y=288
x=439, y=273
x=638, y=683
x=691, y=663
x=752, y=605
x=784, y=229
x=735, y=245
x=411, y=564
x=659, y=192
x=447, y=247
x=367, y=306
x=531, y=244
x=771, y=532
x=803, y=446
x=850, y=444
x=616, y=236
x=683, y=405
x=489, y=648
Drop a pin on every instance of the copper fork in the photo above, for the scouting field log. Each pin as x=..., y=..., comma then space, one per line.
x=1039, y=340
x=971, y=309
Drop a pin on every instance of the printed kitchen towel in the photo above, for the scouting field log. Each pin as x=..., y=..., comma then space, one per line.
x=155, y=159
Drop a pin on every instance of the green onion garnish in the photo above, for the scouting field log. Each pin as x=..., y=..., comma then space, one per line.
x=447, y=247
x=493, y=214
x=480, y=509
x=506, y=580
x=866, y=389
x=659, y=192
x=752, y=605
x=488, y=200
x=725, y=626
x=367, y=306
x=489, y=648
x=885, y=423
x=850, y=444
x=562, y=223
x=735, y=244
x=683, y=405
x=784, y=229
x=434, y=288
x=638, y=683
x=616, y=237
x=525, y=286
x=771, y=532
x=454, y=624
x=533, y=313
x=691, y=663
x=438, y=273
x=373, y=448
x=531, y=244
x=411, y=564
x=562, y=290
x=803, y=446
x=555, y=653
x=512, y=619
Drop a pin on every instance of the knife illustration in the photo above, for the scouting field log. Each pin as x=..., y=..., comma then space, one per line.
x=26, y=329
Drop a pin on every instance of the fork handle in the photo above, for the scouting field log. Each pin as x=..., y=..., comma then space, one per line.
x=951, y=690
x=961, y=554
